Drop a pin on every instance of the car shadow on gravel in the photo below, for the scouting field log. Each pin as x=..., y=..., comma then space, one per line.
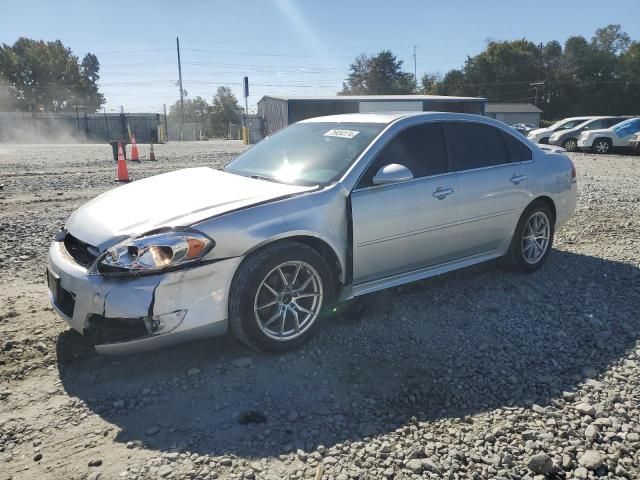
x=447, y=347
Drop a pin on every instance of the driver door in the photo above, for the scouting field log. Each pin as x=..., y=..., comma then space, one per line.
x=400, y=227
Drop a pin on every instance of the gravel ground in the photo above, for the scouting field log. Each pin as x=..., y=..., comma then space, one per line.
x=479, y=374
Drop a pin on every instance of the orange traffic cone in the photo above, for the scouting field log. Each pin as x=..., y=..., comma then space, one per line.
x=134, y=150
x=122, y=172
x=152, y=155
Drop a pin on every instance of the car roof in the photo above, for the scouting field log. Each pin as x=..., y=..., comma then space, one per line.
x=390, y=117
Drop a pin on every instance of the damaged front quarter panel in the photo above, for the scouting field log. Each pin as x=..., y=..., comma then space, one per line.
x=174, y=307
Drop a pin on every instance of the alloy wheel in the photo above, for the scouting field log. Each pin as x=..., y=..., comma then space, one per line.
x=570, y=145
x=601, y=146
x=288, y=300
x=535, y=240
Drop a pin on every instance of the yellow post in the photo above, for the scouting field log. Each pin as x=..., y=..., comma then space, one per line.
x=245, y=135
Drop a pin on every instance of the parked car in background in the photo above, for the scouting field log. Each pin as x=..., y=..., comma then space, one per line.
x=568, y=139
x=524, y=128
x=605, y=140
x=324, y=211
x=541, y=135
x=635, y=142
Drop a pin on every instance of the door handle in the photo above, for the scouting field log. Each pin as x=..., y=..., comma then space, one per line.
x=516, y=179
x=441, y=193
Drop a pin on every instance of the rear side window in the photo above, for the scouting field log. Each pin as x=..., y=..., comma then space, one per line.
x=475, y=145
x=516, y=150
x=420, y=148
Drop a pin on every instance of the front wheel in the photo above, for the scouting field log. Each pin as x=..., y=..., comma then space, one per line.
x=532, y=240
x=279, y=296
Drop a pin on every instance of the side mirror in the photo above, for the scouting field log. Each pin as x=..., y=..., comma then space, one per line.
x=392, y=173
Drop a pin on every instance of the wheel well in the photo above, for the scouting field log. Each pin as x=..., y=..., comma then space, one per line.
x=547, y=200
x=319, y=246
x=606, y=139
x=323, y=249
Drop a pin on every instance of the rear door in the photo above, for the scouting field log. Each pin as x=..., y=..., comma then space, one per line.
x=493, y=168
x=408, y=225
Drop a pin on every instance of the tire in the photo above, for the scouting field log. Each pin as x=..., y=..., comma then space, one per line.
x=570, y=144
x=601, y=145
x=249, y=300
x=519, y=256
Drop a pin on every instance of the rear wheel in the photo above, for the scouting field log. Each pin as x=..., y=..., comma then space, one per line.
x=570, y=144
x=532, y=240
x=601, y=145
x=279, y=296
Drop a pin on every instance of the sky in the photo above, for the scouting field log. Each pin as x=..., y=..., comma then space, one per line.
x=286, y=47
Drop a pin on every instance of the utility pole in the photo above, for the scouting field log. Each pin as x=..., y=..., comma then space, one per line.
x=415, y=65
x=539, y=82
x=181, y=91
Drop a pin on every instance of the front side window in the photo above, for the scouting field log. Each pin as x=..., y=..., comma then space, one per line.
x=596, y=125
x=310, y=153
x=420, y=148
x=627, y=127
x=476, y=145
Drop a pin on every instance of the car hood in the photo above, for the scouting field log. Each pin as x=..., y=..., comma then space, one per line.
x=173, y=199
x=538, y=131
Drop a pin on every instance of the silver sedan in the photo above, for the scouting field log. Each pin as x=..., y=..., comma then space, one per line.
x=309, y=220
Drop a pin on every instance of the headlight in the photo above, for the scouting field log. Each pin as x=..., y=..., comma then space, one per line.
x=155, y=252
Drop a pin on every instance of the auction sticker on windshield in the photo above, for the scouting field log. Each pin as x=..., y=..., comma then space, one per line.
x=341, y=133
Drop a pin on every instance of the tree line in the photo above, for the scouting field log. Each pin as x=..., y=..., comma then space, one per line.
x=46, y=76
x=214, y=117
x=596, y=76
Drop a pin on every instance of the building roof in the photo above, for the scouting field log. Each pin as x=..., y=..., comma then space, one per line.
x=372, y=98
x=511, y=108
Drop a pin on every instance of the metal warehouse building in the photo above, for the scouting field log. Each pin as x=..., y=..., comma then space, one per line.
x=511, y=113
x=278, y=112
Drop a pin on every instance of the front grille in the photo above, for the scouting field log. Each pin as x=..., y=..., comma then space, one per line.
x=111, y=330
x=79, y=251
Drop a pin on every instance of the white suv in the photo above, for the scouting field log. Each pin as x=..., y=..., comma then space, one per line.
x=604, y=140
x=541, y=135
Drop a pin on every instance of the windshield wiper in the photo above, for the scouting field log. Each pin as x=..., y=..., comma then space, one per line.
x=264, y=177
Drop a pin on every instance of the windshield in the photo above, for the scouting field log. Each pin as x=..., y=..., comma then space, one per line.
x=306, y=153
x=564, y=125
x=627, y=127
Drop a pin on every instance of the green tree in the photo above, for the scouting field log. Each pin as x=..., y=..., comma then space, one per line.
x=47, y=76
x=196, y=110
x=429, y=84
x=224, y=111
x=378, y=75
x=89, y=70
x=600, y=76
x=611, y=39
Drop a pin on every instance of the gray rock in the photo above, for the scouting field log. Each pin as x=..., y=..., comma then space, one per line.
x=540, y=463
x=164, y=471
x=591, y=459
x=193, y=371
x=95, y=462
x=118, y=404
x=586, y=409
x=152, y=430
x=591, y=433
x=581, y=473
x=415, y=465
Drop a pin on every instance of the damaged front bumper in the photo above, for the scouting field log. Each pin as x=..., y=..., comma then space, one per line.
x=132, y=314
